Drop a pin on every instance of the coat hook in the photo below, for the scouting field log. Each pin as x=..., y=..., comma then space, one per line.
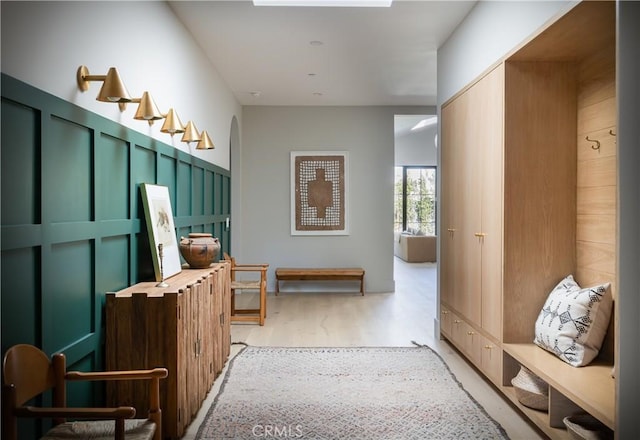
x=596, y=145
x=611, y=133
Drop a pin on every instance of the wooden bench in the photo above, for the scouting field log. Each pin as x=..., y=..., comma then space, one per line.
x=329, y=274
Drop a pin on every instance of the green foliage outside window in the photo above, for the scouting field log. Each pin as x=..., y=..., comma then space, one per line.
x=415, y=199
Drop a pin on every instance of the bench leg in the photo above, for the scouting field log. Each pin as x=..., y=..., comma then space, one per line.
x=277, y=286
x=362, y=286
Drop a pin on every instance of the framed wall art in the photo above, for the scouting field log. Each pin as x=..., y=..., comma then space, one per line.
x=159, y=216
x=319, y=193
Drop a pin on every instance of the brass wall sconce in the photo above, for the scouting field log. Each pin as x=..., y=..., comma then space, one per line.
x=172, y=123
x=112, y=90
x=205, y=142
x=191, y=133
x=147, y=110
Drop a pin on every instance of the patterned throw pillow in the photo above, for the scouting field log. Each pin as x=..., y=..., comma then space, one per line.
x=573, y=321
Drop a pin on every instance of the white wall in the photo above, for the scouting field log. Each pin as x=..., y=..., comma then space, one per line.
x=43, y=43
x=269, y=134
x=491, y=30
x=416, y=147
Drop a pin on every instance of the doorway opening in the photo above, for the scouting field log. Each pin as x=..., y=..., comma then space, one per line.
x=415, y=188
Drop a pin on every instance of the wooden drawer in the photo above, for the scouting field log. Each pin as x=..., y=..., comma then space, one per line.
x=485, y=354
x=491, y=359
x=445, y=321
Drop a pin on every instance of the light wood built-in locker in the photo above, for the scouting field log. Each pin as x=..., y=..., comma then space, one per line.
x=526, y=200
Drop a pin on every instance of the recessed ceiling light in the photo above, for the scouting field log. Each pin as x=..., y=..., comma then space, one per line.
x=255, y=94
x=317, y=93
x=311, y=74
x=316, y=43
x=336, y=3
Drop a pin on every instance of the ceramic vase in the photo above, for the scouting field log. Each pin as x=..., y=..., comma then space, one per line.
x=199, y=249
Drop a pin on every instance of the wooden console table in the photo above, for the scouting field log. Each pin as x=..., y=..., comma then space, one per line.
x=184, y=327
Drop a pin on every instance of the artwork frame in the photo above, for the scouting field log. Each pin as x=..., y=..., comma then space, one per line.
x=161, y=229
x=319, y=193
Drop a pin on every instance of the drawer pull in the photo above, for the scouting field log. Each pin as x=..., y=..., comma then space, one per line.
x=457, y=321
x=445, y=312
x=471, y=333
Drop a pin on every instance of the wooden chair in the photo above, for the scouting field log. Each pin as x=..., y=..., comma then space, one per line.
x=251, y=315
x=28, y=372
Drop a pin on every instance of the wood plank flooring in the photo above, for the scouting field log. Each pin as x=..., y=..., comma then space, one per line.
x=376, y=319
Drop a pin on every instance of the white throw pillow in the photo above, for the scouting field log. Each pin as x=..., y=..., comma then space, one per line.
x=573, y=321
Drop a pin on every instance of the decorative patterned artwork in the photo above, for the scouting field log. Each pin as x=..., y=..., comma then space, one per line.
x=319, y=193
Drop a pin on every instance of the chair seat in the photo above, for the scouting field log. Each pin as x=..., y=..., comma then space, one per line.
x=245, y=284
x=135, y=429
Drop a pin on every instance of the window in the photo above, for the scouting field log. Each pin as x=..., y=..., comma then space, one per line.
x=415, y=199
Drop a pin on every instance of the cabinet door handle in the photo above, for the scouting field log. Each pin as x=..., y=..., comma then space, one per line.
x=488, y=347
x=196, y=348
x=480, y=234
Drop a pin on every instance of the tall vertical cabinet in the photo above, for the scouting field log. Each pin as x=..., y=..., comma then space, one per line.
x=526, y=200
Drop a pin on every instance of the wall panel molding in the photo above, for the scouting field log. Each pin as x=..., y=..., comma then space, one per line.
x=73, y=226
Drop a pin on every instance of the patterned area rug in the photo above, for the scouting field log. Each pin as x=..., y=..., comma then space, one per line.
x=344, y=393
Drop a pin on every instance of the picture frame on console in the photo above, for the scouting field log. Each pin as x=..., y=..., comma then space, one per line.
x=161, y=230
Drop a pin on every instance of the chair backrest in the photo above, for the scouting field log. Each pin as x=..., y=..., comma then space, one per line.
x=29, y=370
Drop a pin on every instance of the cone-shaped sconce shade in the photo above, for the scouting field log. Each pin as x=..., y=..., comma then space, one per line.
x=190, y=133
x=112, y=90
x=205, y=143
x=147, y=110
x=172, y=123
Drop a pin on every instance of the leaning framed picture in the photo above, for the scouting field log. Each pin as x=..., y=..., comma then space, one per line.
x=319, y=193
x=159, y=216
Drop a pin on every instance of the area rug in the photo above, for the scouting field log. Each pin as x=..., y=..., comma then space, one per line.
x=344, y=393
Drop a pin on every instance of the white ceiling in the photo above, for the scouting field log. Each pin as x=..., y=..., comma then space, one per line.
x=367, y=56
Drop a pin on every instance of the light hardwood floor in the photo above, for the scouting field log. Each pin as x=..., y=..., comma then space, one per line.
x=376, y=319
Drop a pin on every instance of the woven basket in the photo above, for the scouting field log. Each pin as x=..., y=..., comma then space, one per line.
x=586, y=427
x=531, y=391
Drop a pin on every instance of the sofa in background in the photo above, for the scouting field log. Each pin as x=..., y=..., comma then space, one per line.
x=415, y=248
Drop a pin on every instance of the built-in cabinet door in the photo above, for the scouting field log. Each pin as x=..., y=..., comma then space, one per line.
x=490, y=136
x=455, y=282
x=448, y=220
x=469, y=173
x=472, y=193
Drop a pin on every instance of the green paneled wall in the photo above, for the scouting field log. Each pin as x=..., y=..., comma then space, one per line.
x=73, y=224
